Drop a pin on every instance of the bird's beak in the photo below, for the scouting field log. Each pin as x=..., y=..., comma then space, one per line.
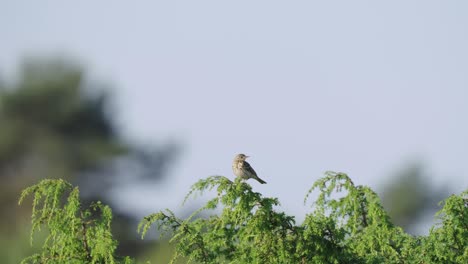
x=247, y=156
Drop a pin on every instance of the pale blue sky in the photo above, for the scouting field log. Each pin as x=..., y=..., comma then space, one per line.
x=301, y=86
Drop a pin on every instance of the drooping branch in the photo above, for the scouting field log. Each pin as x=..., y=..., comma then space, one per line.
x=85, y=238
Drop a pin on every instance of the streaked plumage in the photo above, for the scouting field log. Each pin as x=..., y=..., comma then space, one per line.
x=243, y=169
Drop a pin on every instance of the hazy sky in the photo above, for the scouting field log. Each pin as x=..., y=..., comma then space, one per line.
x=301, y=86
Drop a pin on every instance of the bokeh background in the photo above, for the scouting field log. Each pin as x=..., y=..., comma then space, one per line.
x=135, y=101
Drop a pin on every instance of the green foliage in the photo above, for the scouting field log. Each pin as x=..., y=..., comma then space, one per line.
x=247, y=231
x=347, y=224
x=448, y=241
x=74, y=235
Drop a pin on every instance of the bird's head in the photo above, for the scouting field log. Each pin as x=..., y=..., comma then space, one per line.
x=241, y=157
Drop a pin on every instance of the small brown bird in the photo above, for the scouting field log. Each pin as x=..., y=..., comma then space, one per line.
x=243, y=169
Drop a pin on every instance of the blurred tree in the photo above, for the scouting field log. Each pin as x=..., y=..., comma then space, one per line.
x=410, y=195
x=55, y=123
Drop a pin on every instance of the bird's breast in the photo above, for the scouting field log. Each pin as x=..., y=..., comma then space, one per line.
x=237, y=167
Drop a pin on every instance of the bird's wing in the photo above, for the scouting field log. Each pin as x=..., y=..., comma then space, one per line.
x=249, y=168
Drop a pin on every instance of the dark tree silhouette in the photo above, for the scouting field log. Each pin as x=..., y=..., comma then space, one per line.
x=55, y=123
x=410, y=195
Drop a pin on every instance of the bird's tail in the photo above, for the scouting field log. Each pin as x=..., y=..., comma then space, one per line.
x=260, y=180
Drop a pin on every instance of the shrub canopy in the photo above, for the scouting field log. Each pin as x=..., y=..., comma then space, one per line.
x=347, y=224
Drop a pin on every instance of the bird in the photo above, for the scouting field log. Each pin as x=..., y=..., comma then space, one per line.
x=243, y=169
